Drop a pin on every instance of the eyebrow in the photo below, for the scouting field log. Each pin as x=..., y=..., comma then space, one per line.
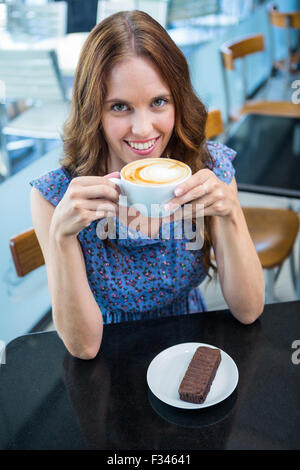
x=120, y=100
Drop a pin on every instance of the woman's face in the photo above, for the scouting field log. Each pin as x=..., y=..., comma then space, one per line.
x=138, y=114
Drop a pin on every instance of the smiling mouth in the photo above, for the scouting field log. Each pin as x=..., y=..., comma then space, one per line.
x=142, y=146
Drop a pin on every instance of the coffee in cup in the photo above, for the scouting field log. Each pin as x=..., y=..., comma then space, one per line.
x=155, y=171
x=148, y=184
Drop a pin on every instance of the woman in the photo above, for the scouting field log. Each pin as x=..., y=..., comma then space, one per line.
x=132, y=87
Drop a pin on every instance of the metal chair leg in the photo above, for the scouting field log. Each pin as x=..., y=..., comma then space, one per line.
x=296, y=273
x=5, y=163
x=293, y=270
x=270, y=286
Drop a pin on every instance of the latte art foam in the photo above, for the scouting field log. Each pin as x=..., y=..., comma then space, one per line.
x=155, y=171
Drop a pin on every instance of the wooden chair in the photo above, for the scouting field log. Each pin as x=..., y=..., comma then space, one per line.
x=27, y=256
x=26, y=252
x=273, y=231
x=240, y=49
x=287, y=21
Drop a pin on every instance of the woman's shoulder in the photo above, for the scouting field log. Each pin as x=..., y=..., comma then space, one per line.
x=53, y=184
x=222, y=157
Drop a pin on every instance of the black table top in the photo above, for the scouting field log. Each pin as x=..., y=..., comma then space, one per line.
x=268, y=155
x=50, y=400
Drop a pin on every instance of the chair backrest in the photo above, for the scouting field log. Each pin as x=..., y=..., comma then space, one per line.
x=31, y=74
x=26, y=252
x=239, y=49
x=232, y=50
x=284, y=20
x=40, y=21
x=287, y=21
x=214, y=124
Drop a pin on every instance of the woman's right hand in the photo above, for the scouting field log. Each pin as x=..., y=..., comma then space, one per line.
x=87, y=198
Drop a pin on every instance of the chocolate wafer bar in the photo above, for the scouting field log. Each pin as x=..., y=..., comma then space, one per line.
x=200, y=374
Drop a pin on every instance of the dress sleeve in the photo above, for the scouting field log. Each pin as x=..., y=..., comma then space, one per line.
x=52, y=185
x=222, y=157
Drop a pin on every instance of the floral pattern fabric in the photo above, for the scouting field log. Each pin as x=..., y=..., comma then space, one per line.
x=138, y=277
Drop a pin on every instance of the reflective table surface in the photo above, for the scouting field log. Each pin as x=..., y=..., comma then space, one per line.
x=51, y=400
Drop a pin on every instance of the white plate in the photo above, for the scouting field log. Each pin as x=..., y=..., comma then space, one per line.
x=167, y=369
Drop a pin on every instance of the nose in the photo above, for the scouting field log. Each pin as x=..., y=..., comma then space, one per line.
x=141, y=124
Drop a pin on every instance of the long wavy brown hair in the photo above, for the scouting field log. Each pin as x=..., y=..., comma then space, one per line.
x=115, y=38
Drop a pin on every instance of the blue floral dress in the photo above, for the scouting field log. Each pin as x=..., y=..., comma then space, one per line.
x=141, y=277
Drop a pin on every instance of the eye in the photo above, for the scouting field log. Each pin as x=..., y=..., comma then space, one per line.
x=119, y=107
x=159, y=102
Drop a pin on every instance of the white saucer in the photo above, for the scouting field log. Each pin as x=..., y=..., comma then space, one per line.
x=167, y=369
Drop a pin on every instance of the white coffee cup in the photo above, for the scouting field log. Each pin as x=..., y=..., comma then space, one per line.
x=149, y=199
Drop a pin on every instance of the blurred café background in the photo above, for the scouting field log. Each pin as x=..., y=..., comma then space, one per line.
x=40, y=42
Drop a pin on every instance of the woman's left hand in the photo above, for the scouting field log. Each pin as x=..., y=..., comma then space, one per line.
x=204, y=194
